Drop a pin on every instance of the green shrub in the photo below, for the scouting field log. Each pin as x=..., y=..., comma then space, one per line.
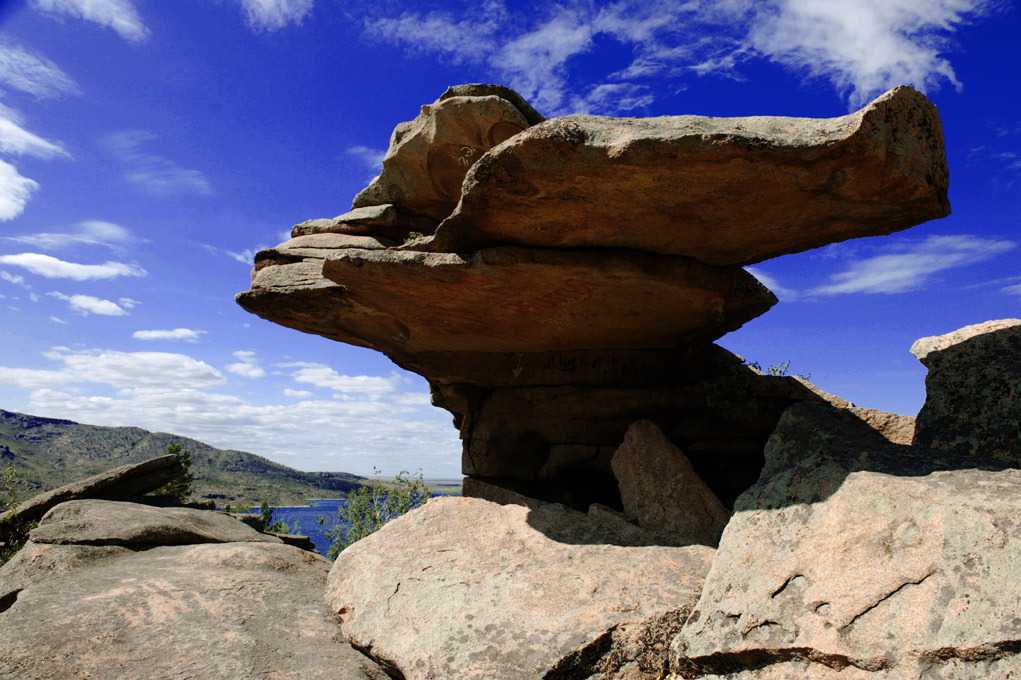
x=17, y=529
x=371, y=506
x=182, y=486
x=778, y=369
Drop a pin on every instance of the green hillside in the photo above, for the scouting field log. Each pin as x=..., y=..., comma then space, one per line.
x=47, y=453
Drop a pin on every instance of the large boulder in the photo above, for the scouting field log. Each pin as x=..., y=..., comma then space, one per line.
x=465, y=588
x=852, y=553
x=122, y=606
x=973, y=390
x=430, y=155
x=661, y=491
x=727, y=191
x=120, y=483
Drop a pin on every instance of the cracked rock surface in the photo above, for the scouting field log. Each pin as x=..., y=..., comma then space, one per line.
x=854, y=553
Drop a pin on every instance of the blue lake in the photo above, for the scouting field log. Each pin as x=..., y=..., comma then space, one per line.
x=306, y=517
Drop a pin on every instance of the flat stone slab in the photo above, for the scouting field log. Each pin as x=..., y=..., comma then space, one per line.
x=220, y=611
x=528, y=300
x=90, y=522
x=721, y=190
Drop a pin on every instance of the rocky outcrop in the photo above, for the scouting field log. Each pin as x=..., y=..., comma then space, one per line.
x=96, y=594
x=726, y=191
x=854, y=553
x=559, y=280
x=120, y=483
x=465, y=588
x=973, y=390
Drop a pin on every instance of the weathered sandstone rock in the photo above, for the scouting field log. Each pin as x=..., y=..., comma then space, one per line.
x=661, y=491
x=429, y=156
x=464, y=588
x=528, y=300
x=120, y=483
x=218, y=611
x=89, y=522
x=973, y=390
x=855, y=554
x=722, y=190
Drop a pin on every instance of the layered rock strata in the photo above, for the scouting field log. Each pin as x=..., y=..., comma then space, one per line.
x=558, y=280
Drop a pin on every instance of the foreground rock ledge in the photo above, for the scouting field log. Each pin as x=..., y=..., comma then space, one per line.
x=464, y=588
x=726, y=191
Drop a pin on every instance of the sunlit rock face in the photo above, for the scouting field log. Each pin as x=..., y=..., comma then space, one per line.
x=558, y=280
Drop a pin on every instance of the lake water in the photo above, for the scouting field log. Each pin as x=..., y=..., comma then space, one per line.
x=306, y=517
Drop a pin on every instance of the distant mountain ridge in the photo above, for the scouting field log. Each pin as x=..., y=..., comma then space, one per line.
x=49, y=452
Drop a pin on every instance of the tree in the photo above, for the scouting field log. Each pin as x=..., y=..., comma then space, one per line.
x=371, y=506
x=182, y=486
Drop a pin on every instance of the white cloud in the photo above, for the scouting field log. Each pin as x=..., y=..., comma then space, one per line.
x=57, y=319
x=87, y=304
x=186, y=334
x=15, y=191
x=298, y=394
x=15, y=139
x=909, y=265
x=1012, y=290
x=53, y=268
x=33, y=378
x=246, y=256
x=12, y=278
x=248, y=366
x=271, y=15
x=162, y=370
x=769, y=281
x=372, y=158
x=153, y=173
x=322, y=375
x=88, y=233
x=33, y=74
x=120, y=15
x=862, y=48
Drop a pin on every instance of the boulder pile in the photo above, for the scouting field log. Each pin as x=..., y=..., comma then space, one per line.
x=558, y=280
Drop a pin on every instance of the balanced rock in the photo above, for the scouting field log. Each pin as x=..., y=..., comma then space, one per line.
x=973, y=390
x=722, y=190
x=852, y=553
x=533, y=300
x=465, y=588
x=429, y=156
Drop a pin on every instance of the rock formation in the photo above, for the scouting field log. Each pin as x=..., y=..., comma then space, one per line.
x=558, y=280
x=112, y=589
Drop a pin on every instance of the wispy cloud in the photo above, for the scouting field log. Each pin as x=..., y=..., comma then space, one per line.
x=53, y=268
x=247, y=366
x=153, y=173
x=371, y=158
x=120, y=15
x=910, y=265
x=782, y=293
x=186, y=334
x=861, y=48
x=33, y=74
x=322, y=375
x=15, y=190
x=87, y=304
x=270, y=15
x=15, y=139
x=87, y=233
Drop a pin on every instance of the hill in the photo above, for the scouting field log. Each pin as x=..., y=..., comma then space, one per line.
x=47, y=452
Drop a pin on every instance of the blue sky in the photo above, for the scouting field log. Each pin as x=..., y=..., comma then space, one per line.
x=149, y=148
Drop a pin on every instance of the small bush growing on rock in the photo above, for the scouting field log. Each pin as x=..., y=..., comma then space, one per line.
x=182, y=486
x=778, y=369
x=370, y=507
x=17, y=530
